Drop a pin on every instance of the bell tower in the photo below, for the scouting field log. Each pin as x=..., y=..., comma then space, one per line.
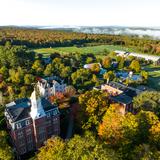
x=37, y=110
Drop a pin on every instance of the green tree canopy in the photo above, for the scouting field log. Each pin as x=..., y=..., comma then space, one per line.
x=86, y=147
x=6, y=153
x=135, y=66
x=148, y=101
x=93, y=105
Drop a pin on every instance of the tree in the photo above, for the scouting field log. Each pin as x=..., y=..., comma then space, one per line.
x=144, y=75
x=11, y=92
x=80, y=76
x=146, y=120
x=23, y=92
x=4, y=71
x=144, y=152
x=109, y=76
x=85, y=147
x=65, y=72
x=89, y=60
x=37, y=67
x=154, y=136
x=16, y=76
x=106, y=62
x=14, y=56
x=54, y=150
x=6, y=152
x=147, y=101
x=121, y=63
x=135, y=65
x=95, y=68
x=95, y=80
x=70, y=91
x=118, y=129
x=29, y=79
x=93, y=105
x=3, y=85
x=49, y=70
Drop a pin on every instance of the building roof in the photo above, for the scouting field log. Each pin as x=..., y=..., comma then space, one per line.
x=139, y=55
x=89, y=66
x=146, y=56
x=20, y=109
x=122, y=98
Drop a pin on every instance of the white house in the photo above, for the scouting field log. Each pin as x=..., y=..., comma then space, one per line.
x=153, y=58
x=50, y=87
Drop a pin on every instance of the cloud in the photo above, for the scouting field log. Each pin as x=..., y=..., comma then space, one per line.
x=151, y=32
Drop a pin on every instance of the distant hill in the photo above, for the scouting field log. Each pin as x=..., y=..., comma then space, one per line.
x=153, y=32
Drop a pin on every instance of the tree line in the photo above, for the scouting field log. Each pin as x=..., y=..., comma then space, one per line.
x=36, y=38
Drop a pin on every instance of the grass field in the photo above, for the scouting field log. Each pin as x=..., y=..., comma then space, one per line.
x=97, y=50
x=154, y=76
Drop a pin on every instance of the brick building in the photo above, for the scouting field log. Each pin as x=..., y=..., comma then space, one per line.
x=120, y=93
x=31, y=121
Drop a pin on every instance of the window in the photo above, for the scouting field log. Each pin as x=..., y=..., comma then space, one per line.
x=23, y=150
x=30, y=146
x=48, y=115
x=27, y=122
x=18, y=125
x=56, y=131
x=49, y=122
x=20, y=134
x=50, y=131
x=29, y=139
x=42, y=137
x=54, y=112
x=28, y=131
x=55, y=120
x=21, y=141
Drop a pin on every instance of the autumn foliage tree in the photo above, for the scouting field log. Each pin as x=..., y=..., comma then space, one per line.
x=154, y=136
x=118, y=129
x=93, y=105
x=6, y=152
x=135, y=66
x=85, y=147
x=106, y=62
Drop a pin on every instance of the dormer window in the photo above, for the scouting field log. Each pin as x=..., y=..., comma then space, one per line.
x=27, y=122
x=18, y=125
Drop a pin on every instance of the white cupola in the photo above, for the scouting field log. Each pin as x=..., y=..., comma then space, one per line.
x=37, y=110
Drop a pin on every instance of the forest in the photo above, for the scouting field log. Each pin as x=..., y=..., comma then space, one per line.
x=36, y=38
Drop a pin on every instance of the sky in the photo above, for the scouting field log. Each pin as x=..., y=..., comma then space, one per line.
x=80, y=12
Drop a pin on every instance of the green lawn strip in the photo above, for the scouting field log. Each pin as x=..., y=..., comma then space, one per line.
x=93, y=49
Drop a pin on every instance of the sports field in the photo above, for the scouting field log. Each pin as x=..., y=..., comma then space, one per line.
x=97, y=50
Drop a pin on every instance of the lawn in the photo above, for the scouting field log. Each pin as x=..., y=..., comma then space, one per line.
x=97, y=50
x=154, y=76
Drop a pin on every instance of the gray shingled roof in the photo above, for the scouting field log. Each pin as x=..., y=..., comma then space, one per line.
x=122, y=98
x=20, y=108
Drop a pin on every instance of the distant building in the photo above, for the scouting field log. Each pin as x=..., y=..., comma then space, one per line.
x=31, y=121
x=120, y=93
x=50, y=86
x=47, y=60
x=153, y=58
x=89, y=66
